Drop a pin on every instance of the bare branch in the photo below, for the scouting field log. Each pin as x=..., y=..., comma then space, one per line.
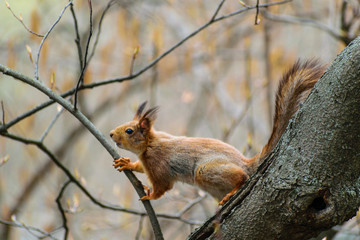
x=81, y=78
x=178, y=215
x=95, y=132
x=235, y=122
x=77, y=39
x=217, y=10
x=108, y=6
x=51, y=125
x=36, y=109
x=73, y=179
x=141, y=223
x=3, y=113
x=22, y=22
x=30, y=229
x=61, y=209
x=304, y=21
x=68, y=140
x=44, y=38
x=257, y=20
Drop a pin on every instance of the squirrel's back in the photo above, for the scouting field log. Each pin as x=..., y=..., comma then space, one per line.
x=293, y=89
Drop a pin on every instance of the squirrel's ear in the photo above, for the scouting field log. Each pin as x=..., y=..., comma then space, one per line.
x=139, y=111
x=147, y=120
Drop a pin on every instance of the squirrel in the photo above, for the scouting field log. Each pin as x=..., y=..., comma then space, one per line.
x=210, y=164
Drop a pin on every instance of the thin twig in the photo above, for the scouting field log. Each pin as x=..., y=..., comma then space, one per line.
x=77, y=39
x=191, y=204
x=81, y=78
x=141, y=223
x=30, y=229
x=108, y=6
x=22, y=22
x=257, y=13
x=178, y=215
x=44, y=38
x=217, y=10
x=14, y=121
x=61, y=209
x=51, y=125
x=3, y=113
x=304, y=21
x=235, y=123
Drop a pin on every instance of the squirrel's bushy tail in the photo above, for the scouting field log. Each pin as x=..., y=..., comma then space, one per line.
x=293, y=89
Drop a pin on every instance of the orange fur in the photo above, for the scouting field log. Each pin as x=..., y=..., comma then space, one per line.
x=210, y=164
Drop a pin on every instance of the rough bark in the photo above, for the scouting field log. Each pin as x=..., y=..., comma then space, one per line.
x=311, y=181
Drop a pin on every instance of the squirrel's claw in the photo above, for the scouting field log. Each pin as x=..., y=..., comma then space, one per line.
x=147, y=189
x=227, y=197
x=148, y=194
x=224, y=200
x=144, y=198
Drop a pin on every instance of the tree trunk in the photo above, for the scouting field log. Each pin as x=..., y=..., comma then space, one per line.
x=311, y=181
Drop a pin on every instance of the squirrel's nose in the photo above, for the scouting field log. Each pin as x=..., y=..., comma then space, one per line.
x=111, y=134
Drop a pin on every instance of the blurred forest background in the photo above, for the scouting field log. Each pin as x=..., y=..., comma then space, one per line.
x=220, y=83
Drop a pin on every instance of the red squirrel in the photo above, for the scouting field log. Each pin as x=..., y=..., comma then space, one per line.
x=210, y=164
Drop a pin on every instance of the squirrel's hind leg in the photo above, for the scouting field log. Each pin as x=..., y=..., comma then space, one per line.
x=221, y=180
x=158, y=191
x=230, y=194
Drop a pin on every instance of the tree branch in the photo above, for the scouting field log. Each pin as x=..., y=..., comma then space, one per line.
x=305, y=21
x=73, y=179
x=310, y=182
x=95, y=132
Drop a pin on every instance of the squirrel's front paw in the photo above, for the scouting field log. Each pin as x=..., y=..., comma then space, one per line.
x=123, y=164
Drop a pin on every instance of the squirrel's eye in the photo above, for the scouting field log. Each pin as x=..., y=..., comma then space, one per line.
x=129, y=131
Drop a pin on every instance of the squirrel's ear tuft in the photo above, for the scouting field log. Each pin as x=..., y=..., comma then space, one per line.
x=139, y=111
x=151, y=113
x=147, y=120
